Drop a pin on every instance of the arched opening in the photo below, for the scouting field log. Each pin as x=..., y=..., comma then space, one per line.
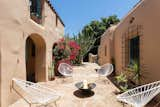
x=35, y=53
x=30, y=60
x=56, y=73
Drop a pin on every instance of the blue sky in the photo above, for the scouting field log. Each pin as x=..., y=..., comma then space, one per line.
x=77, y=13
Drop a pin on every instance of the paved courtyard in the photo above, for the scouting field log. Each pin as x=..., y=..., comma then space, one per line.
x=102, y=95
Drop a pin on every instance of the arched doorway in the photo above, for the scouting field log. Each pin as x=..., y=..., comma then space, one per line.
x=53, y=60
x=35, y=54
x=30, y=60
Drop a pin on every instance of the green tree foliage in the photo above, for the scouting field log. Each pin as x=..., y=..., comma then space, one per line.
x=89, y=37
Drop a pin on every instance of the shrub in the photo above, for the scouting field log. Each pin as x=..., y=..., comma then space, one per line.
x=122, y=82
x=66, y=51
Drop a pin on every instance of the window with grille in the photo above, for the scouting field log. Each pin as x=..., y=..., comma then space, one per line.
x=56, y=20
x=36, y=10
x=132, y=41
x=134, y=50
x=35, y=7
x=105, y=51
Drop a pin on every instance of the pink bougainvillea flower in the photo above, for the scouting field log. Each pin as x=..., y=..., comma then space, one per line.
x=78, y=47
x=66, y=51
x=72, y=57
x=74, y=45
x=64, y=61
x=74, y=52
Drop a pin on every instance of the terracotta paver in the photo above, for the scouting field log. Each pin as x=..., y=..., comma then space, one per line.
x=102, y=95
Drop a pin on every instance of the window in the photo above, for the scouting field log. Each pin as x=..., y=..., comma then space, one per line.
x=132, y=40
x=35, y=7
x=134, y=50
x=56, y=21
x=105, y=50
x=36, y=10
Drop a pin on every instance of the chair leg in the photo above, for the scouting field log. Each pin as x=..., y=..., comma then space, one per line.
x=55, y=104
x=30, y=105
x=63, y=79
x=123, y=104
x=107, y=82
x=99, y=78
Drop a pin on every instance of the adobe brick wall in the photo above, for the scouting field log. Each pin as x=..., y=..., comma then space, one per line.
x=142, y=20
x=106, y=48
x=15, y=27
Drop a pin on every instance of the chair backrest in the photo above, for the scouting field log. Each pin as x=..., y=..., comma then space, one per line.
x=34, y=92
x=65, y=69
x=105, y=69
x=141, y=95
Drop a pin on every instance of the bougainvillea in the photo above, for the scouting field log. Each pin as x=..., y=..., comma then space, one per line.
x=74, y=51
x=67, y=51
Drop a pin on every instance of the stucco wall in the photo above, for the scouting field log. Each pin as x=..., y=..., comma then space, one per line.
x=50, y=21
x=0, y=65
x=106, y=48
x=102, y=50
x=15, y=27
x=147, y=17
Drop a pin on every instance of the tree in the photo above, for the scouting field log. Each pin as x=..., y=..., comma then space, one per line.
x=89, y=37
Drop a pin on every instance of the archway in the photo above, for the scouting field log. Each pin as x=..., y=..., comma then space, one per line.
x=56, y=73
x=35, y=53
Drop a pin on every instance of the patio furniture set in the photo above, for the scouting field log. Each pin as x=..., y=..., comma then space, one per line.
x=34, y=93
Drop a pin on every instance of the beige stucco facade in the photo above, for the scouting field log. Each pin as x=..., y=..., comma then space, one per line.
x=142, y=21
x=106, y=49
x=16, y=27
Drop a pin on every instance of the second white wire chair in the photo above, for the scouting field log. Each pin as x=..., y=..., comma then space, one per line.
x=34, y=93
x=105, y=70
x=140, y=96
x=65, y=69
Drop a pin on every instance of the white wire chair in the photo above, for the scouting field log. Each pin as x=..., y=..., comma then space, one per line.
x=105, y=70
x=34, y=93
x=140, y=96
x=65, y=69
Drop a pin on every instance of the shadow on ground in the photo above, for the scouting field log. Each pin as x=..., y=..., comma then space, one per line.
x=83, y=94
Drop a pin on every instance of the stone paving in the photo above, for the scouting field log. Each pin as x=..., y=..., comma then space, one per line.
x=102, y=95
